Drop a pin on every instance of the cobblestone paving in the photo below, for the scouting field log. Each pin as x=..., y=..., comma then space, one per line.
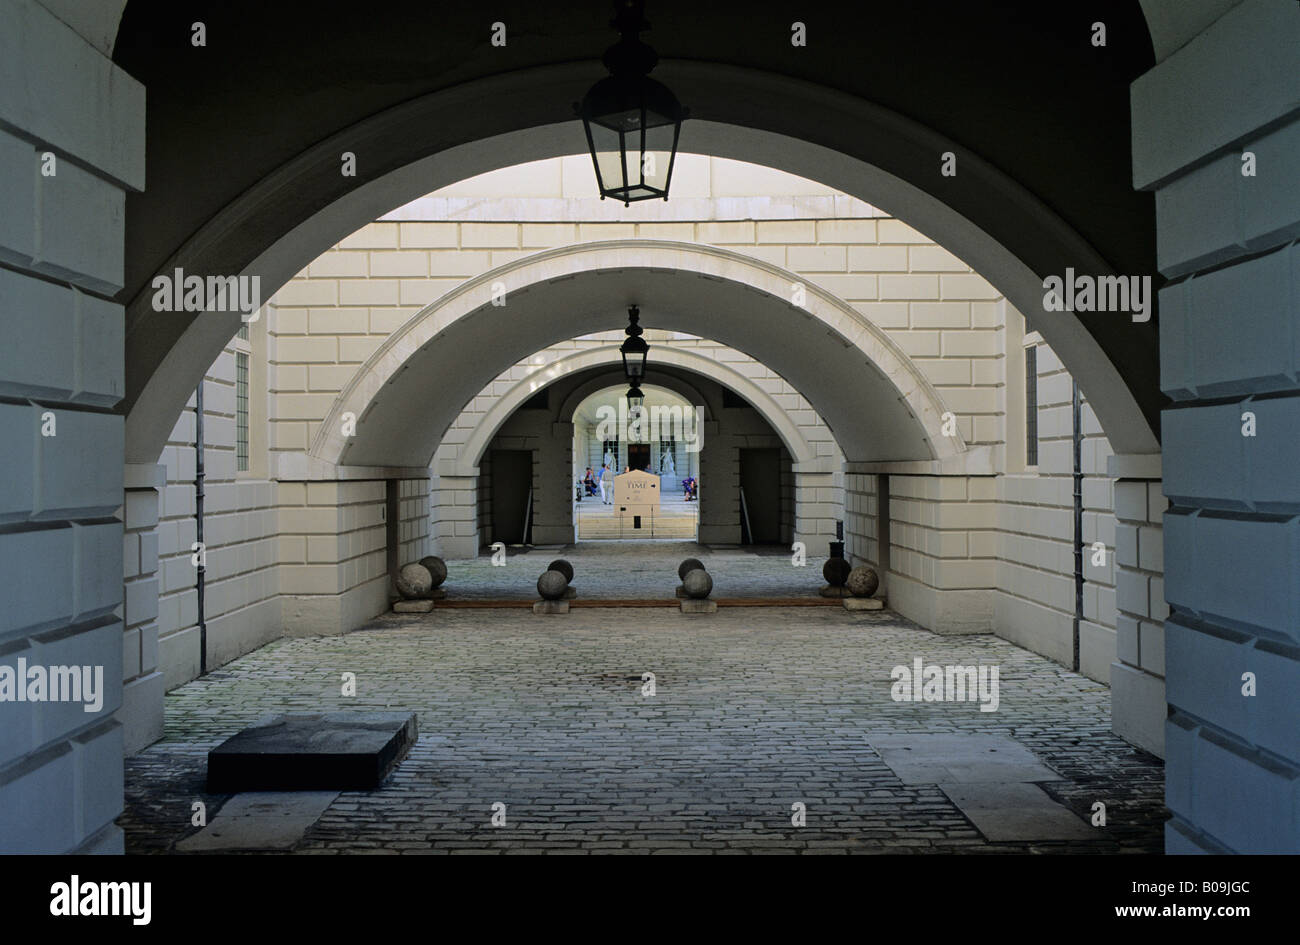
x=755, y=709
x=617, y=570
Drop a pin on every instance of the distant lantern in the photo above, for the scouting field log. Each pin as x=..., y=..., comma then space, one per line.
x=635, y=400
x=632, y=121
x=634, y=348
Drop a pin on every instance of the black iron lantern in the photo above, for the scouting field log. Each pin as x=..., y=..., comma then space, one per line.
x=635, y=401
x=632, y=122
x=634, y=348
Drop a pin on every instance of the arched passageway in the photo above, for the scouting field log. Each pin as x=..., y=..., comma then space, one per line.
x=833, y=355
x=986, y=215
x=272, y=197
x=546, y=417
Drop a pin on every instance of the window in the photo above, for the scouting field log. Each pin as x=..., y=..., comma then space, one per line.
x=241, y=411
x=1031, y=405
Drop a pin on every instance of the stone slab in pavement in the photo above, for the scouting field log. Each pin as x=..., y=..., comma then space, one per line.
x=959, y=759
x=1016, y=811
x=260, y=820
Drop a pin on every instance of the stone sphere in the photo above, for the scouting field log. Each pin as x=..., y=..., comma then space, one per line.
x=862, y=581
x=551, y=585
x=436, y=567
x=698, y=584
x=689, y=565
x=836, y=571
x=559, y=564
x=414, y=581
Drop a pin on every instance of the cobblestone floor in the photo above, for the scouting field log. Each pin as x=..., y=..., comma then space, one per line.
x=755, y=709
x=627, y=570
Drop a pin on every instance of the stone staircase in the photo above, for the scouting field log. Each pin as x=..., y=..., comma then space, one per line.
x=597, y=527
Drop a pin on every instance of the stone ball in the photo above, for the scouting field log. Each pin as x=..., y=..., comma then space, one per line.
x=551, y=585
x=698, y=584
x=436, y=567
x=559, y=564
x=836, y=571
x=689, y=565
x=862, y=581
x=414, y=581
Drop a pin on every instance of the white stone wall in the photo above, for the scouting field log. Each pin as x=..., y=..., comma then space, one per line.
x=330, y=318
x=1034, y=602
x=68, y=509
x=276, y=551
x=241, y=596
x=1226, y=241
x=334, y=561
x=995, y=553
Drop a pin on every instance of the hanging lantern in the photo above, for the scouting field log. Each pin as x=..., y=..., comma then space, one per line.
x=634, y=349
x=632, y=122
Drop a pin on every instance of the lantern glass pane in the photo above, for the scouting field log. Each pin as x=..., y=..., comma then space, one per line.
x=609, y=157
x=656, y=158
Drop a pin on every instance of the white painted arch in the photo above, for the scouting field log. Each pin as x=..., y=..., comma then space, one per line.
x=877, y=403
x=470, y=452
x=166, y=383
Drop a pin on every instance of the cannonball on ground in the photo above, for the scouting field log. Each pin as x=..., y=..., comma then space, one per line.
x=836, y=571
x=862, y=581
x=414, y=581
x=559, y=564
x=436, y=567
x=698, y=584
x=551, y=585
x=689, y=565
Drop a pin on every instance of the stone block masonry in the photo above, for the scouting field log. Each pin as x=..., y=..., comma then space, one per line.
x=64, y=501
x=1219, y=638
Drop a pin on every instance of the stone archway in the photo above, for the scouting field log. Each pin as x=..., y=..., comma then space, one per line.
x=467, y=453
x=825, y=348
x=167, y=355
x=457, y=459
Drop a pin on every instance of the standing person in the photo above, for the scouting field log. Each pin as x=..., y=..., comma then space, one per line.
x=600, y=481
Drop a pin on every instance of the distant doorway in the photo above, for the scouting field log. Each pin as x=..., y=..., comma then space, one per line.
x=512, y=484
x=654, y=448
x=760, y=486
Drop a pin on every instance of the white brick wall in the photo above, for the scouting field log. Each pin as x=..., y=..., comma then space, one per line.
x=241, y=535
x=336, y=312
x=995, y=553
